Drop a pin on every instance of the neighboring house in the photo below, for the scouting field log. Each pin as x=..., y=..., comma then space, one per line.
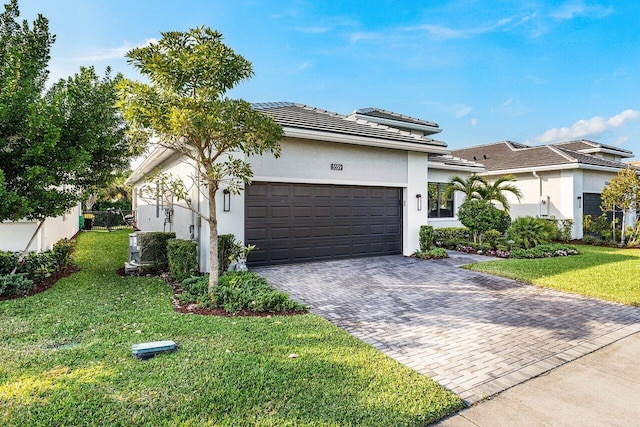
x=562, y=181
x=344, y=186
x=14, y=236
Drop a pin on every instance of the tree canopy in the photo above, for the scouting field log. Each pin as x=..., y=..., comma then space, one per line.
x=184, y=108
x=55, y=143
x=622, y=193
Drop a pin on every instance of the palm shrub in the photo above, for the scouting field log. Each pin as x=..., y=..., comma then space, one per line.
x=529, y=232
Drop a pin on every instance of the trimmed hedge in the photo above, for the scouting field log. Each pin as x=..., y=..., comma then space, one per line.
x=183, y=258
x=153, y=250
x=451, y=233
x=426, y=237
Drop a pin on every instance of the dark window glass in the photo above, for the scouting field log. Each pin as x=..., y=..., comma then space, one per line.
x=439, y=205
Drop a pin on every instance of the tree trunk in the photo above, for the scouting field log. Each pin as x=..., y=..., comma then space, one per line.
x=213, y=237
x=622, y=228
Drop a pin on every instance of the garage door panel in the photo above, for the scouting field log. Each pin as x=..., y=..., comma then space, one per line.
x=280, y=212
x=256, y=212
x=308, y=222
x=302, y=191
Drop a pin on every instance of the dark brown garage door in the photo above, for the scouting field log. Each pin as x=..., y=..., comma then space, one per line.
x=310, y=222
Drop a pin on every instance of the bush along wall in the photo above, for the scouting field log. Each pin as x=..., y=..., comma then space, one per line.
x=183, y=258
x=153, y=251
x=34, y=268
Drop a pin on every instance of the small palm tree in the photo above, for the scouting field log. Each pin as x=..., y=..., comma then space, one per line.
x=496, y=191
x=472, y=187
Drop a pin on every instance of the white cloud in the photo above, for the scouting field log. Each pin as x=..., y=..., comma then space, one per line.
x=585, y=128
x=113, y=53
x=458, y=110
x=312, y=30
x=575, y=9
x=359, y=36
x=474, y=122
x=508, y=102
x=619, y=141
x=443, y=32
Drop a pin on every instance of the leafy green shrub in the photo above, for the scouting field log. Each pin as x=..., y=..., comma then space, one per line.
x=227, y=248
x=237, y=291
x=432, y=253
x=545, y=251
x=528, y=232
x=195, y=290
x=451, y=233
x=244, y=290
x=15, y=284
x=480, y=216
x=426, y=237
x=153, y=250
x=38, y=266
x=589, y=240
x=565, y=229
x=8, y=261
x=452, y=243
x=182, y=257
x=491, y=237
x=62, y=253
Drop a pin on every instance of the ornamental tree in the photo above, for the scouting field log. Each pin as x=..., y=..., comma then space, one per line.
x=184, y=108
x=621, y=193
x=480, y=216
x=54, y=144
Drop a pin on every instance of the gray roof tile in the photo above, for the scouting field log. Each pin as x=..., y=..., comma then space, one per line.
x=508, y=155
x=300, y=116
x=390, y=115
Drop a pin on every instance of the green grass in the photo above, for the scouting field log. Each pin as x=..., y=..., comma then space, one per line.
x=65, y=359
x=606, y=273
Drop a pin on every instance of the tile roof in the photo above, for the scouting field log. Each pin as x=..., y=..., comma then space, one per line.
x=449, y=160
x=299, y=116
x=390, y=115
x=585, y=144
x=508, y=155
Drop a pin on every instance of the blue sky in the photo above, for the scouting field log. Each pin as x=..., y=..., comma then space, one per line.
x=532, y=72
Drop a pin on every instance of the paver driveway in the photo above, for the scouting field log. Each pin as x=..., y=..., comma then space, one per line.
x=475, y=334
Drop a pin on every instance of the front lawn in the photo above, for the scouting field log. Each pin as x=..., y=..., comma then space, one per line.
x=607, y=273
x=65, y=359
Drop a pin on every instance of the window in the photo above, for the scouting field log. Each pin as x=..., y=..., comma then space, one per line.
x=439, y=205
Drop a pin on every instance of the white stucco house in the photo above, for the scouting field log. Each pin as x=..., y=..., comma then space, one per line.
x=14, y=236
x=344, y=186
x=562, y=180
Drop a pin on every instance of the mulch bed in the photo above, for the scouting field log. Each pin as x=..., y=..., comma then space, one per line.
x=45, y=284
x=217, y=311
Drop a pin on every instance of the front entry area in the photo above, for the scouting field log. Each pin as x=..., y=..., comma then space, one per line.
x=292, y=223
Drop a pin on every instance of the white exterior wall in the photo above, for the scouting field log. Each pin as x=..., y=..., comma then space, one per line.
x=14, y=236
x=414, y=213
x=310, y=162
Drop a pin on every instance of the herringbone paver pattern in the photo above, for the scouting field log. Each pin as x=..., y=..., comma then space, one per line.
x=476, y=334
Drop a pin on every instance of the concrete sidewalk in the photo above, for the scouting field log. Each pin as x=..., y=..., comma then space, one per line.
x=599, y=389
